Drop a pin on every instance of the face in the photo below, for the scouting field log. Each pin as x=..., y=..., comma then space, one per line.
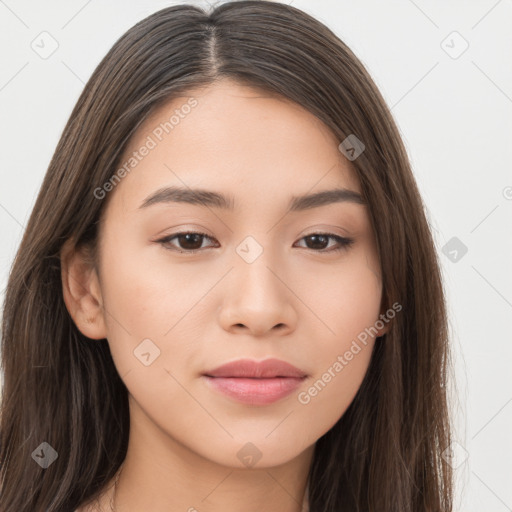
x=262, y=276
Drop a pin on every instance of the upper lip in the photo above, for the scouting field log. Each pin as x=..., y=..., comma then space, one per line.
x=249, y=368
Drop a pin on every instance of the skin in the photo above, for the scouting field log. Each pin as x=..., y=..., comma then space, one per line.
x=297, y=301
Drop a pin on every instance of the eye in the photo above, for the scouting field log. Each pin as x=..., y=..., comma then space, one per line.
x=319, y=241
x=192, y=241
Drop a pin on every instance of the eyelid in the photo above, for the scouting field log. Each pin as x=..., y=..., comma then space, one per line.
x=326, y=229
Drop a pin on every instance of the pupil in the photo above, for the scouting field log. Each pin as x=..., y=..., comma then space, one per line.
x=317, y=238
x=188, y=237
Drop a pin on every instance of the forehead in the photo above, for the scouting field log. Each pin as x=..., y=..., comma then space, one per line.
x=233, y=138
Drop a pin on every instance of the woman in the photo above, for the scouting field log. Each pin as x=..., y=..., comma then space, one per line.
x=227, y=296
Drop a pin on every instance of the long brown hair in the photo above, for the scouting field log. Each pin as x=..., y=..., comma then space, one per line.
x=384, y=454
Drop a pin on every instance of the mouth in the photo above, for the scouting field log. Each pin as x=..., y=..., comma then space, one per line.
x=255, y=383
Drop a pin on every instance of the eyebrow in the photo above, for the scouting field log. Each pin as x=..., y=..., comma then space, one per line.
x=213, y=199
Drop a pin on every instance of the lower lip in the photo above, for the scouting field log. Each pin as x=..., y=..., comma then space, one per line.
x=255, y=391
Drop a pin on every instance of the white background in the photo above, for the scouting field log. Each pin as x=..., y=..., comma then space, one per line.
x=455, y=115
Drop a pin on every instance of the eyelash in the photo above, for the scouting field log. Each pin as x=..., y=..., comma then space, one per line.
x=344, y=242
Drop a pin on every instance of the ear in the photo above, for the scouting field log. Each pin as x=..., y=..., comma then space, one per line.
x=82, y=291
x=386, y=321
x=384, y=330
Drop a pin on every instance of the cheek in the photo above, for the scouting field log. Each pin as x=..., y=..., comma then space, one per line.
x=141, y=290
x=330, y=392
x=348, y=305
x=341, y=363
x=345, y=299
x=148, y=298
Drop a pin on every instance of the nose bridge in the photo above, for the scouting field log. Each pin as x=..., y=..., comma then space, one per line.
x=257, y=298
x=253, y=262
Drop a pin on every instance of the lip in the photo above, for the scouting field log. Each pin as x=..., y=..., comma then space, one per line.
x=255, y=383
x=269, y=368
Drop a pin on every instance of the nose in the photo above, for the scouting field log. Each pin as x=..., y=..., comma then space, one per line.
x=258, y=300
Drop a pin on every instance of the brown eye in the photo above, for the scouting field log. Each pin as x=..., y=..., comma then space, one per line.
x=192, y=241
x=188, y=241
x=320, y=241
x=317, y=241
